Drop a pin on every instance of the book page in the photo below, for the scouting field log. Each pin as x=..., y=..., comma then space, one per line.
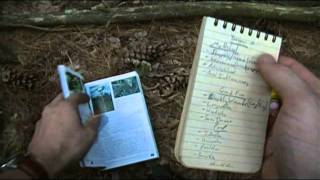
x=126, y=135
x=226, y=119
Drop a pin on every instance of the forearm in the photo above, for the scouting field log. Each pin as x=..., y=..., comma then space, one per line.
x=14, y=174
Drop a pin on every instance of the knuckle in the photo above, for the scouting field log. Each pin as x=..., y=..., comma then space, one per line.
x=304, y=99
x=92, y=133
x=51, y=109
x=284, y=69
x=38, y=124
x=65, y=105
x=47, y=109
x=316, y=100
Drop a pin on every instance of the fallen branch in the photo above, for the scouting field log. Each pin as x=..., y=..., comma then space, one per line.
x=10, y=25
x=102, y=16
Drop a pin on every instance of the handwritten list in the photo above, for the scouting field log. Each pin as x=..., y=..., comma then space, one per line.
x=227, y=115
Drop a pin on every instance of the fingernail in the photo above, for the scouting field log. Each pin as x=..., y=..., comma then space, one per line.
x=266, y=58
x=98, y=117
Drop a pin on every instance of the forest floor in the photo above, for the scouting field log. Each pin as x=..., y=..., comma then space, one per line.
x=28, y=61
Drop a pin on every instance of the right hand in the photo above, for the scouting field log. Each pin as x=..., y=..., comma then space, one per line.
x=293, y=149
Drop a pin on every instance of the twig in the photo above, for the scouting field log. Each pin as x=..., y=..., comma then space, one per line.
x=150, y=88
x=72, y=44
x=160, y=103
x=8, y=25
x=170, y=99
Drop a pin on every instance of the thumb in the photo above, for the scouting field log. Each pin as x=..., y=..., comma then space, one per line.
x=77, y=98
x=93, y=124
x=281, y=78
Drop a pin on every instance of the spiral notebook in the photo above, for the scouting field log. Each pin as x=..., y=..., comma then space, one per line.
x=224, y=119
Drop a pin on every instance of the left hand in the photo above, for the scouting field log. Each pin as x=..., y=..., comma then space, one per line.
x=60, y=138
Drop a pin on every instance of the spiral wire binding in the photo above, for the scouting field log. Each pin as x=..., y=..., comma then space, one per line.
x=225, y=24
x=258, y=34
x=233, y=28
x=216, y=22
x=241, y=29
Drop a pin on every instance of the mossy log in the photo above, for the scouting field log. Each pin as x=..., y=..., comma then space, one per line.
x=103, y=15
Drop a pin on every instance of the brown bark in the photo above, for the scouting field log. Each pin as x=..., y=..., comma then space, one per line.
x=102, y=16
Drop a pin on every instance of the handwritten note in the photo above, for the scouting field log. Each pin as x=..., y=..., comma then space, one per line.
x=226, y=120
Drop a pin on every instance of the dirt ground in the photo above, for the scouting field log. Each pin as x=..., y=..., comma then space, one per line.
x=28, y=60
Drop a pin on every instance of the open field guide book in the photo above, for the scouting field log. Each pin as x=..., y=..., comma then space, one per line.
x=125, y=134
x=225, y=114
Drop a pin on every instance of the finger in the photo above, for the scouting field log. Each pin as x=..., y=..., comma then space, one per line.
x=269, y=169
x=37, y=127
x=91, y=131
x=302, y=72
x=57, y=99
x=93, y=124
x=281, y=78
x=273, y=114
x=78, y=98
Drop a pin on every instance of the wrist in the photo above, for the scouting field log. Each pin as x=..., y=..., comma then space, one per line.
x=31, y=167
x=15, y=174
x=44, y=161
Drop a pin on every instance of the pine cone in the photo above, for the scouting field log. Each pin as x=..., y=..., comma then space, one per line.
x=145, y=53
x=180, y=78
x=17, y=79
x=176, y=80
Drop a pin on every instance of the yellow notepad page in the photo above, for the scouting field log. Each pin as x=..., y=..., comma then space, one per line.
x=223, y=125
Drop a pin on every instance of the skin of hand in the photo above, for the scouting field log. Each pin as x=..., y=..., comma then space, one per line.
x=60, y=138
x=293, y=145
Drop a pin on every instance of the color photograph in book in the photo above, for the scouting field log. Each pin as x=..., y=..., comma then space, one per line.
x=125, y=87
x=101, y=98
x=74, y=83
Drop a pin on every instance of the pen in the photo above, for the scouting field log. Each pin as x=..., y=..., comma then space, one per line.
x=275, y=100
x=275, y=104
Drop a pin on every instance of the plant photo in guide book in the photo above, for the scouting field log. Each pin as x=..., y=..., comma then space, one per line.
x=101, y=98
x=74, y=83
x=125, y=87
